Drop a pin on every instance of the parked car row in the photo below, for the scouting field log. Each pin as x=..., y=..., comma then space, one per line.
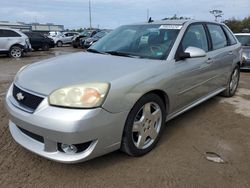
x=15, y=43
x=244, y=39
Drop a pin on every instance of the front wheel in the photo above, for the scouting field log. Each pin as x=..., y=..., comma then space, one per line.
x=144, y=125
x=59, y=44
x=233, y=83
x=45, y=47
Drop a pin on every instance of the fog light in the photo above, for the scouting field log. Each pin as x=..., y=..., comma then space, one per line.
x=69, y=148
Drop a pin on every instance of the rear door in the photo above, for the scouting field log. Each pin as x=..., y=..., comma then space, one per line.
x=222, y=54
x=193, y=75
x=68, y=37
x=8, y=38
x=39, y=39
x=3, y=40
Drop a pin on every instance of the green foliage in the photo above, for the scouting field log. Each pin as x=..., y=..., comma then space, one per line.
x=238, y=26
x=175, y=17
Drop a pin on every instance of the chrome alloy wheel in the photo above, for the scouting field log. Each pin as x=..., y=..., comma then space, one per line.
x=234, y=80
x=147, y=125
x=16, y=52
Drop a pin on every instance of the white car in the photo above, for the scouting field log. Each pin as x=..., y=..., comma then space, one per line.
x=13, y=42
x=64, y=38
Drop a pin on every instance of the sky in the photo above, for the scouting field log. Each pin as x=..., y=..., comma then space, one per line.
x=74, y=14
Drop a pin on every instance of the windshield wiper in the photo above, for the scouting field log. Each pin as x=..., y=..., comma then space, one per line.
x=95, y=51
x=124, y=54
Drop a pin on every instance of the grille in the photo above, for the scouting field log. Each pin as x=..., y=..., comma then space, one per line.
x=32, y=135
x=25, y=99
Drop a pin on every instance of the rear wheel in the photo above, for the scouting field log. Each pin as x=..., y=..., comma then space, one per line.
x=144, y=125
x=15, y=52
x=59, y=44
x=233, y=83
x=45, y=47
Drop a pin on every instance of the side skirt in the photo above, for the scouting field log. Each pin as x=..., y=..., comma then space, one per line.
x=197, y=102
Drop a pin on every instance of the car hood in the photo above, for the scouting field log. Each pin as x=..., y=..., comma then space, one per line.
x=78, y=68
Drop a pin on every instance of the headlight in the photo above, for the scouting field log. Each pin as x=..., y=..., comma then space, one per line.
x=27, y=40
x=244, y=56
x=80, y=96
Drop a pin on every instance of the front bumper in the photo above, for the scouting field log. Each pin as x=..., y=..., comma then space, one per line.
x=102, y=129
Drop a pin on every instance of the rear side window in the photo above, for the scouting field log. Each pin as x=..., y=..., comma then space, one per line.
x=230, y=37
x=218, y=36
x=10, y=33
x=195, y=37
x=37, y=35
x=1, y=33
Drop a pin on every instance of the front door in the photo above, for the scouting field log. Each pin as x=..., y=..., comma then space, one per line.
x=193, y=75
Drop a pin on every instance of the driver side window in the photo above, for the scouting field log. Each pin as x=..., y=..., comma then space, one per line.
x=195, y=36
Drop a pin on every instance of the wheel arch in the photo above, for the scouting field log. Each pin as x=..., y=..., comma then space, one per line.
x=162, y=94
x=16, y=44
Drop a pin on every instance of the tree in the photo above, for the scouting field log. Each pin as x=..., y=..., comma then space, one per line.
x=175, y=17
x=238, y=26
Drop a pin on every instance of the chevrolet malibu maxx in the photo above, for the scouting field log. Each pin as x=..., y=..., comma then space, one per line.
x=121, y=92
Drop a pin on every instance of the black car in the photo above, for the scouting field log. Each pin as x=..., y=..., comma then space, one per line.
x=77, y=40
x=89, y=41
x=39, y=41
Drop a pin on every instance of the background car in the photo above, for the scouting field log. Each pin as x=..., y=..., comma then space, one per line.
x=77, y=40
x=64, y=38
x=244, y=39
x=39, y=41
x=89, y=41
x=13, y=42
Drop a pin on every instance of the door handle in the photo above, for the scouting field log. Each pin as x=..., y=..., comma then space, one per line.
x=230, y=53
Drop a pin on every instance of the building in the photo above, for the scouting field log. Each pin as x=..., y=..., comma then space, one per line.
x=36, y=27
x=18, y=25
x=45, y=28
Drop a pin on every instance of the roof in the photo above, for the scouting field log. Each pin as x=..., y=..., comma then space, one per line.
x=176, y=22
x=248, y=34
x=9, y=28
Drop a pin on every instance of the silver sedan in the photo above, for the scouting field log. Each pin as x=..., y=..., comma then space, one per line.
x=120, y=93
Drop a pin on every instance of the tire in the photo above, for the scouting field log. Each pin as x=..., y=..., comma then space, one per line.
x=144, y=125
x=233, y=83
x=16, y=52
x=45, y=47
x=59, y=44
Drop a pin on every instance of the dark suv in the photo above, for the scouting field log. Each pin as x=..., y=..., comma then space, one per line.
x=79, y=39
x=38, y=41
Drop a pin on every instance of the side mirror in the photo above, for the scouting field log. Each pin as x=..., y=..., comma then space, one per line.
x=193, y=52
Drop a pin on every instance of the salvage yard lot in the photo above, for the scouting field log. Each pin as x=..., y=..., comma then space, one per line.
x=220, y=125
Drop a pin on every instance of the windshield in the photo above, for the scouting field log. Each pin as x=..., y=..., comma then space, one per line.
x=100, y=34
x=244, y=39
x=85, y=33
x=151, y=41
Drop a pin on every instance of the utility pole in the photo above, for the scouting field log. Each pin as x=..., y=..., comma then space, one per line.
x=217, y=14
x=147, y=14
x=90, y=19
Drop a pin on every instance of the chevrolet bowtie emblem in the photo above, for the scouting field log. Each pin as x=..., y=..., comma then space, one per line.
x=19, y=96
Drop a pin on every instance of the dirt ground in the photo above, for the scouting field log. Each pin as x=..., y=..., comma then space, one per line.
x=220, y=125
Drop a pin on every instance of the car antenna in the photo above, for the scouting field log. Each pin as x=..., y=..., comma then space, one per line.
x=150, y=20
